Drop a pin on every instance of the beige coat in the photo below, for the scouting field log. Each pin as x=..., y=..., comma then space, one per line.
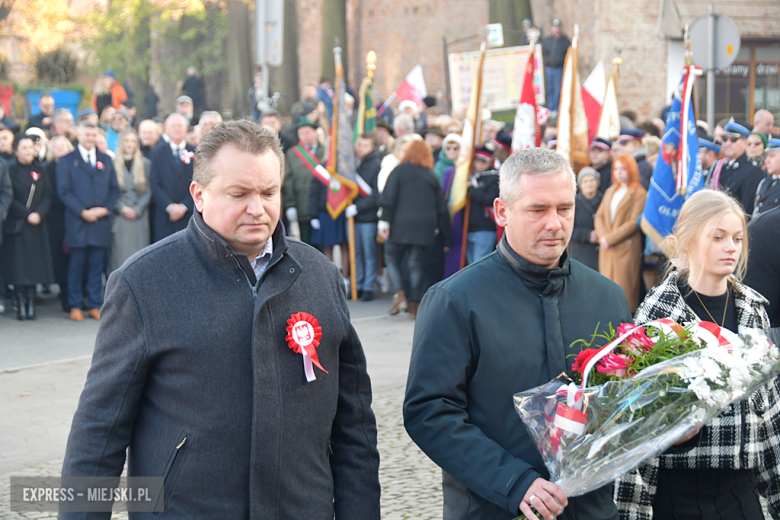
x=622, y=261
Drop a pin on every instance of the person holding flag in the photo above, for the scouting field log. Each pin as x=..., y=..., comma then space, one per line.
x=677, y=174
x=304, y=162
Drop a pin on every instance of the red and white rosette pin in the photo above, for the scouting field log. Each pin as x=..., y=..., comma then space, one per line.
x=303, y=336
x=35, y=176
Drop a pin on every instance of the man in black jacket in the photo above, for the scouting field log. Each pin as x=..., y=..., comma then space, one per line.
x=498, y=327
x=554, y=52
x=366, y=205
x=483, y=190
x=601, y=161
x=226, y=362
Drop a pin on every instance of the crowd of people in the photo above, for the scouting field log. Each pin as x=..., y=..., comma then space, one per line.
x=84, y=194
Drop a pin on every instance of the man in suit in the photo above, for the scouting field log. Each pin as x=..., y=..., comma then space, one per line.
x=87, y=185
x=172, y=163
x=198, y=372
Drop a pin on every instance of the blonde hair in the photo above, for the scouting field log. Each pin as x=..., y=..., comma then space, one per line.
x=139, y=172
x=700, y=214
x=50, y=155
x=402, y=144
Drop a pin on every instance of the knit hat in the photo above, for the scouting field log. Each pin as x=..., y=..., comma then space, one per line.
x=585, y=172
x=452, y=138
x=763, y=137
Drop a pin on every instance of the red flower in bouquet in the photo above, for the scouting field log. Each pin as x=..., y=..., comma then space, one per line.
x=581, y=361
x=637, y=339
x=614, y=364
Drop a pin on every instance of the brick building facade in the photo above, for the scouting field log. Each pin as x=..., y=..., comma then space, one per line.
x=407, y=32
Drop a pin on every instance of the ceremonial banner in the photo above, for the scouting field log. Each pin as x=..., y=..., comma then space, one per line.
x=527, y=133
x=609, y=120
x=341, y=158
x=458, y=187
x=677, y=173
x=593, y=91
x=572, y=122
x=366, y=116
x=539, y=76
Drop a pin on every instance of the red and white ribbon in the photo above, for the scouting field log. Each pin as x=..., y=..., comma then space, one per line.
x=303, y=337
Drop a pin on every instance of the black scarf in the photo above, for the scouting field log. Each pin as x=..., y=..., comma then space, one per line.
x=548, y=284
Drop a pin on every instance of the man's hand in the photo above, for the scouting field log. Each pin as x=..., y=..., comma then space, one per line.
x=176, y=212
x=129, y=213
x=101, y=212
x=34, y=219
x=603, y=243
x=594, y=238
x=545, y=497
x=89, y=215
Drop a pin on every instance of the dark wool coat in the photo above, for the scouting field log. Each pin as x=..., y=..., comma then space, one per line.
x=482, y=197
x=170, y=179
x=744, y=436
x=6, y=194
x=741, y=179
x=80, y=187
x=584, y=217
x=192, y=372
x=368, y=206
x=495, y=328
x=763, y=273
x=26, y=255
x=413, y=203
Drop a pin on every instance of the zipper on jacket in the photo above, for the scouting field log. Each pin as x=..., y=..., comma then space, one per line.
x=253, y=287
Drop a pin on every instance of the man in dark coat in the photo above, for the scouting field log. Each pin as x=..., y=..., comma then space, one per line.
x=554, y=49
x=498, y=327
x=198, y=367
x=366, y=206
x=43, y=119
x=601, y=161
x=6, y=196
x=87, y=185
x=768, y=192
x=738, y=177
x=194, y=88
x=170, y=177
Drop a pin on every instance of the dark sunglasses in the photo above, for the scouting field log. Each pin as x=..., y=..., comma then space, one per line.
x=732, y=138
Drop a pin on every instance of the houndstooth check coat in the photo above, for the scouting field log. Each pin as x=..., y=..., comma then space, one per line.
x=746, y=435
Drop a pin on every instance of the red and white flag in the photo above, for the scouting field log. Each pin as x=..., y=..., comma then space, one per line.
x=413, y=87
x=526, y=130
x=593, y=91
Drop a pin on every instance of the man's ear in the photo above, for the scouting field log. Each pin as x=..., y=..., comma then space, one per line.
x=500, y=208
x=196, y=190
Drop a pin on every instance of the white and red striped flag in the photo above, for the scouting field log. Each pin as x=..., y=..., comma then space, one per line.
x=593, y=92
x=526, y=132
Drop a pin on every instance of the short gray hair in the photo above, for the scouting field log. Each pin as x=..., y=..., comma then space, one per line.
x=61, y=113
x=214, y=113
x=244, y=135
x=533, y=161
x=403, y=123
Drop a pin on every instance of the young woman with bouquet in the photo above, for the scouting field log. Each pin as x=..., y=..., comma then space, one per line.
x=720, y=471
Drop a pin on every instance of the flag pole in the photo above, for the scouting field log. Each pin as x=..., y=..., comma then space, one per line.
x=334, y=151
x=572, y=104
x=476, y=134
x=617, y=61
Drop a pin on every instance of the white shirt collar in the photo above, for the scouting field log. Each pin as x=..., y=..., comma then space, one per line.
x=261, y=261
x=87, y=155
x=177, y=147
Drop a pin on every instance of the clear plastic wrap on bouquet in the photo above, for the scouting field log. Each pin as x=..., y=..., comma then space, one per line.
x=590, y=437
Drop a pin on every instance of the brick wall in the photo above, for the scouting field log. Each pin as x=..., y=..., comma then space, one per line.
x=605, y=26
x=404, y=33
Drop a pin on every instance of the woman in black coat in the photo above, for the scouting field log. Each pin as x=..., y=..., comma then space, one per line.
x=413, y=212
x=26, y=253
x=584, y=245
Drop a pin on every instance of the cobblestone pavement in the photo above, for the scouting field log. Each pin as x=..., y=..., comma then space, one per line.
x=411, y=483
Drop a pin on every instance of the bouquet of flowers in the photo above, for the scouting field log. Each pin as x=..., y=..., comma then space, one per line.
x=652, y=386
